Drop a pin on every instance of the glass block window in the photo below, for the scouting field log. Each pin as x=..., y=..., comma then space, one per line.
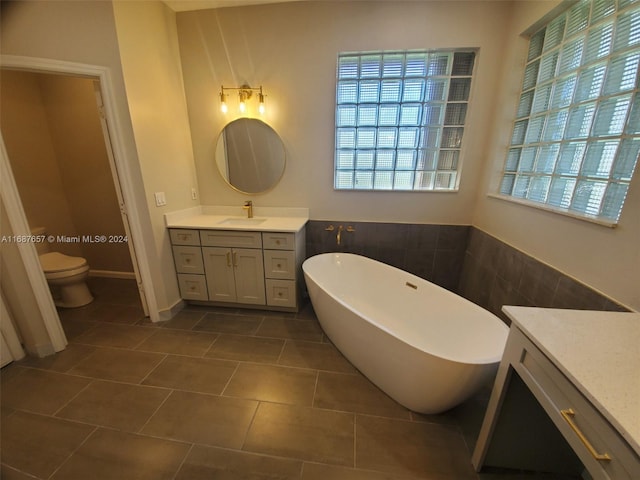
x=400, y=119
x=576, y=137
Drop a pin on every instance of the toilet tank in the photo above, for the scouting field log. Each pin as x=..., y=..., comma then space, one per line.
x=41, y=246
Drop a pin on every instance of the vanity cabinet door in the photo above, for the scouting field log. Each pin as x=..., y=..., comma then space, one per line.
x=234, y=275
x=249, y=276
x=218, y=268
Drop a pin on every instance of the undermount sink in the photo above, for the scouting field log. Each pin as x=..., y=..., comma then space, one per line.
x=242, y=221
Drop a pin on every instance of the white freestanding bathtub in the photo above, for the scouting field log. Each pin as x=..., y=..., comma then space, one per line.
x=427, y=348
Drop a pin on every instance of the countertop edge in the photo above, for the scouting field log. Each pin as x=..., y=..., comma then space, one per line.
x=213, y=222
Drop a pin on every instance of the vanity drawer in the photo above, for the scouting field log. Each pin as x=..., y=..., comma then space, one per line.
x=184, y=237
x=280, y=264
x=192, y=287
x=230, y=238
x=188, y=259
x=578, y=420
x=278, y=241
x=281, y=293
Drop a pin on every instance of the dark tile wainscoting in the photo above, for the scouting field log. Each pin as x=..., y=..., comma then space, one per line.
x=462, y=259
x=432, y=252
x=495, y=274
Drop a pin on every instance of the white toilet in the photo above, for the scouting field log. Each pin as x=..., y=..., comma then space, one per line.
x=65, y=275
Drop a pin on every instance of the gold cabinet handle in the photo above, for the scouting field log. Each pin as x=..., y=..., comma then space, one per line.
x=568, y=415
x=228, y=259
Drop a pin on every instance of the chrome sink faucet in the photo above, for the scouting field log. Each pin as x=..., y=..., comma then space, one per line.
x=248, y=206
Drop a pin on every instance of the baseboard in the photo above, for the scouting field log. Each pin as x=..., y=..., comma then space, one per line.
x=169, y=313
x=41, y=350
x=112, y=274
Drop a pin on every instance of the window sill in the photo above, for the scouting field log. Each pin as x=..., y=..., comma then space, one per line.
x=546, y=208
x=372, y=190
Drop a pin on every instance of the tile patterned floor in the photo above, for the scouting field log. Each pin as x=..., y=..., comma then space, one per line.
x=215, y=394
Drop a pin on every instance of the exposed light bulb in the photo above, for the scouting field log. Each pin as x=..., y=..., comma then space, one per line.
x=261, y=109
x=242, y=97
x=223, y=103
x=261, y=106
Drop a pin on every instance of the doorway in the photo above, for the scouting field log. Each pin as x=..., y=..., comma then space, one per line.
x=60, y=151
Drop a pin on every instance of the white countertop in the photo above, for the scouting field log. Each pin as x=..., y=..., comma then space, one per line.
x=598, y=351
x=266, y=219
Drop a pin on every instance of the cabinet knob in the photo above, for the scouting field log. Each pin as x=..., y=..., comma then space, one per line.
x=279, y=265
x=277, y=242
x=279, y=294
x=187, y=260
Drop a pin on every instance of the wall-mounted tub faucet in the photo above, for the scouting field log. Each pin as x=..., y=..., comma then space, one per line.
x=341, y=228
x=248, y=206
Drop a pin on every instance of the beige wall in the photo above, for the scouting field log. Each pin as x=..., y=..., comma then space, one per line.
x=88, y=182
x=69, y=190
x=606, y=259
x=25, y=129
x=291, y=49
x=151, y=64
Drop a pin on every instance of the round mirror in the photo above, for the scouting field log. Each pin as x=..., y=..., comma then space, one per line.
x=250, y=155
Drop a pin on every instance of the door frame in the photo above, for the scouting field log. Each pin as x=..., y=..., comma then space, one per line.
x=122, y=204
x=11, y=345
x=120, y=167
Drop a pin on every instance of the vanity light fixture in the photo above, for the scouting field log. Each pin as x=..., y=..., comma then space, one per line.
x=245, y=92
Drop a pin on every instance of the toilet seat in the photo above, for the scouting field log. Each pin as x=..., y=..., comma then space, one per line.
x=59, y=265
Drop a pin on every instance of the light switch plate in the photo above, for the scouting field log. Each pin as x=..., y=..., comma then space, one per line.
x=161, y=200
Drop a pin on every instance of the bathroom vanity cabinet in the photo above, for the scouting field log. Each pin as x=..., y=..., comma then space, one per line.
x=239, y=267
x=582, y=369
